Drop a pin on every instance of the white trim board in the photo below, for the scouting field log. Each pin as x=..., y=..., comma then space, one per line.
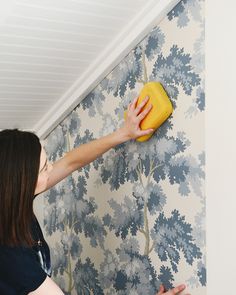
x=148, y=18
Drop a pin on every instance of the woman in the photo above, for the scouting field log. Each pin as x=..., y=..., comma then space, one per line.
x=24, y=173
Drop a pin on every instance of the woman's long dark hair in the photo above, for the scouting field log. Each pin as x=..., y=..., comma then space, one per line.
x=19, y=167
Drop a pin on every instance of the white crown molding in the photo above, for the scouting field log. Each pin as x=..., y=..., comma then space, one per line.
x=138, y=28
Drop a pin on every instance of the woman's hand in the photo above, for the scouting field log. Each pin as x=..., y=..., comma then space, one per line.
x=134, y=117
x=174, y=291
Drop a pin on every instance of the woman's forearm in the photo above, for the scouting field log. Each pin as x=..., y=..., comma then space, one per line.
x=88, y=152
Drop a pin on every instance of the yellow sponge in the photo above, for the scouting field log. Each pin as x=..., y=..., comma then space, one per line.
x=161, y=107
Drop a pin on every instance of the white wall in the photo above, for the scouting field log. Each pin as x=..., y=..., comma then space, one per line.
x=221, y=146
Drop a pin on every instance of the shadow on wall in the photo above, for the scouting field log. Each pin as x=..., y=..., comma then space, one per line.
x=134, y=218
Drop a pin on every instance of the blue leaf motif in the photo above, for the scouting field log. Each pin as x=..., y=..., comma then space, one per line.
x=156, y=200
x=184, y=189
x=115, y=168
x=107, y=220
x=153, y=43
x=178, y=170
x=183, y=10
x=200, y=99
x=172, y=235
x=120, y=281
x=166, y=277
x=152, y=195
x=136, y=274
x=202, y=159
x=177, y=10
x=93, y=102
x=174, y=70
x=81, y=187
x=93, y=228
x=126, y=218
x=71, y=124
x=87, y=137
x=87, y=102
x=59, y=259
x=56, y=144
x=186, y=171
x=109, y=268
x=86, y=278
x=71, y=244
x=125, y=75
x=202, y=275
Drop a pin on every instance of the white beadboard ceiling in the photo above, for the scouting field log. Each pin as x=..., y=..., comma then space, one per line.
x=54, y=52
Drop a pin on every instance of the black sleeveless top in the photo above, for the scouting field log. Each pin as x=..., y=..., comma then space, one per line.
x=24, y=269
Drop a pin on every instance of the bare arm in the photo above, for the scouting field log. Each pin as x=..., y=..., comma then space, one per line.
x=47, y=287
x=86, y=153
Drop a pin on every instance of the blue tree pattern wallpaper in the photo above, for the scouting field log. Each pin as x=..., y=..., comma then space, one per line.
x=135, y=217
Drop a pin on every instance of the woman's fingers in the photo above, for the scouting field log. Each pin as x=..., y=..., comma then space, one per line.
x=161, y=290
x=145, y=132
x=136, y=109
x=176, y=290
x=140, y=117
x=133, y=104
x=134, y=116
x=141, y=105
x=144, y=113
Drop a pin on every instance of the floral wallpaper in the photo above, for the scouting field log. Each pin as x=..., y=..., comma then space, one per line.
x=135, y=217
